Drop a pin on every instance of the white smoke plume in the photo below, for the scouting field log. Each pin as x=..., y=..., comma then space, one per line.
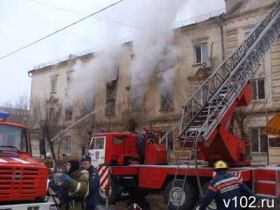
x=152, y=46
x=150, y=43
x=90, y=78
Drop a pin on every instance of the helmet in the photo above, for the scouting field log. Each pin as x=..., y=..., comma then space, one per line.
x=48, y=154
x=220, y=164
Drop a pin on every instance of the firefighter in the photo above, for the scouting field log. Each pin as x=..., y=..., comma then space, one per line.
x=94, y=181
x=223, y=188
x=50, y=163
x=75, y=186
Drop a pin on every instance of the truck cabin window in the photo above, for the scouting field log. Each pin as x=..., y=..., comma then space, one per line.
x=13, y=139
x=97, y=143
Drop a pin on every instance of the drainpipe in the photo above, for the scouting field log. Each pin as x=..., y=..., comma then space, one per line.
x=220, y=20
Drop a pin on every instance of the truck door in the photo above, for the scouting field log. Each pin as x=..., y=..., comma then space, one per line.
x=97, y=150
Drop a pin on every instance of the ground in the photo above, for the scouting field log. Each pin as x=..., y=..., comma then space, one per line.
x=155, y=202
x=152, y=202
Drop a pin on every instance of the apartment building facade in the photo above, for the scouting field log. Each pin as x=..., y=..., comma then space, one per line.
x=203, y=45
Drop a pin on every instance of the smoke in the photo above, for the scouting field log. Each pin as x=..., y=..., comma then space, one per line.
x=152, y=45
x=152, y=51
x=167, y=68
x=90, y=78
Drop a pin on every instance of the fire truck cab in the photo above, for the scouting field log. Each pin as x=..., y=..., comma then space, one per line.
x=23, y=180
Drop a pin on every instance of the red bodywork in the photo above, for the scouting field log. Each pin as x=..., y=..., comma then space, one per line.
x=221, y=143
x=21, y=177
x=121, y=149
x=155, y=173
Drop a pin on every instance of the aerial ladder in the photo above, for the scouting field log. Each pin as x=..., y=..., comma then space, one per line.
x=204, y=126
x=207, y=113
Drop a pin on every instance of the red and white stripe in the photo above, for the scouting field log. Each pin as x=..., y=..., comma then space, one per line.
x=104, y=174
x=237, y=174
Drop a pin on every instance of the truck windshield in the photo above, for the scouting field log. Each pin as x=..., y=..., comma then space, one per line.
x=97, y=143
x=13, y=139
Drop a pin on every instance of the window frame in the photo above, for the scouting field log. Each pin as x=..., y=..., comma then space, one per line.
x=259, y=136
x=164, y=105
x=53, y=84
x=256, y=82
x=200, y=46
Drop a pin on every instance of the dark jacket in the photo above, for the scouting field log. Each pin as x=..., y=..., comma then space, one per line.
x=223, y=188
x=94, y=181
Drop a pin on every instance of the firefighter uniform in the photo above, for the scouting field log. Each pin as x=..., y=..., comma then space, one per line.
x=77, y=191
x=93, y=198
x=225, y=189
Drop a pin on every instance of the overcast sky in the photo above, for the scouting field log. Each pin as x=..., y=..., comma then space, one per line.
x=24, y=21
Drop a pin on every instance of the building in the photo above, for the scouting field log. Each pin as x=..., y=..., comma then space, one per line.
x=204, y=45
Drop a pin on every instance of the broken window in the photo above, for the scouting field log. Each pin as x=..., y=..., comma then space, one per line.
x=258, y=140
x=258, y=89
x=111, y=92
x=166, y=100
x=53, y=87
x=68, y=113
x=201, y=51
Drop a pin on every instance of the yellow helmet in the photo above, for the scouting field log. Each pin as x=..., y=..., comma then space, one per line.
x=220, y=165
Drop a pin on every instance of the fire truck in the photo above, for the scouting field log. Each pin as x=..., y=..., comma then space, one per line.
x=23, y=180
x=133, y=163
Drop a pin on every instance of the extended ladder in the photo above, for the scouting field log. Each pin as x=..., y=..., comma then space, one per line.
x=204, y=110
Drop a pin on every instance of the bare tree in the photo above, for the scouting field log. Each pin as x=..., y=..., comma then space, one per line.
x=19, y=110
x=84, y=129
x=46, y=117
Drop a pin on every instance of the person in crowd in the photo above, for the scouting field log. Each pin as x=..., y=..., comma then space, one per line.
x=73, y=186
x=92, y=199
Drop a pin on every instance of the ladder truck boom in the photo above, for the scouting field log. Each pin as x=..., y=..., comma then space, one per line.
x=206, y=114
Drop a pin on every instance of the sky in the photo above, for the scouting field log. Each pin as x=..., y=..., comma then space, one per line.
x=24, y=21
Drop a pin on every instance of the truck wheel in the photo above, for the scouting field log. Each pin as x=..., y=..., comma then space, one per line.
x=180, y=198
x=114, y=193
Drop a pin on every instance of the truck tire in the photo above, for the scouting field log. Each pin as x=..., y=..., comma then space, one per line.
x=114, y=193
x=185, y=201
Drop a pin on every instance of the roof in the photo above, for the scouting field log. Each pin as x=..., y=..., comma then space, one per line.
x=64, y=60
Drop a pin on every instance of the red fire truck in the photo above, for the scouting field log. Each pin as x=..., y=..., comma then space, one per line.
x=130, y=162
x=23, y=180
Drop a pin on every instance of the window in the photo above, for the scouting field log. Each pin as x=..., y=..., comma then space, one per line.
x=258, y=89
x=12, y=138
x=97, y=143
x=69, y=77
x=274, y=142
x=117, y=141
x=68, y=113
x=166, y=100
x=51, y=113
x=67, y=144
x=201, y=52
x=258, y=140
x=54, y=84
x=111, y=98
